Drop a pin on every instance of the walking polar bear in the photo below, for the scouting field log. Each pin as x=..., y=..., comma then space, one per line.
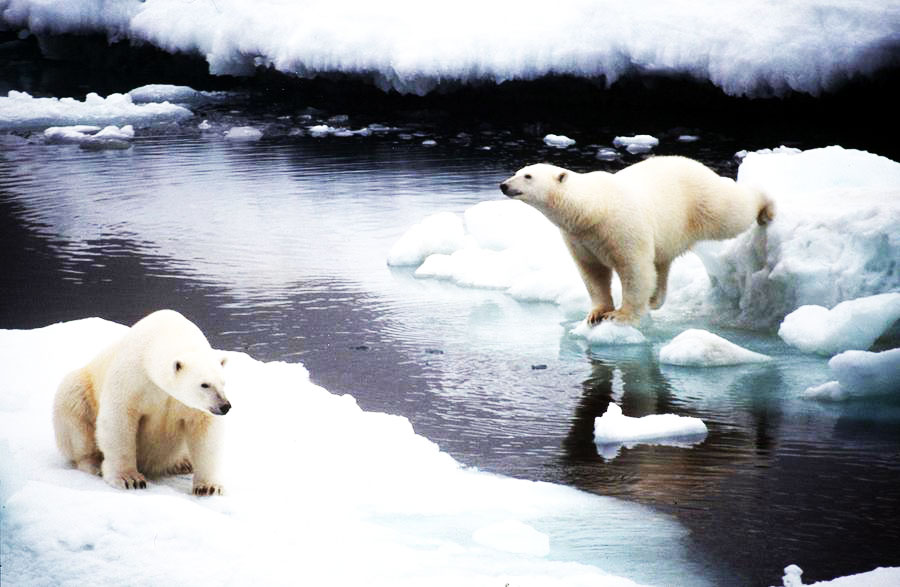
x=147, y=405
x=636, y=222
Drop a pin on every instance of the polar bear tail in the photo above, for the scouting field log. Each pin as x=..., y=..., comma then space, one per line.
x=767, y=210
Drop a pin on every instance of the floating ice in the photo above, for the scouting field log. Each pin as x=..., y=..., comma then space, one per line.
x=439, y=233
x=405, y=512
x=607, y=154
x=636, y=144
x=836, y=236
x=700, y=348
x=395, y=44
x=91, y=137
x=613, y=430
x=324, y=130
x=173, y=94
x=558, y=141
x=880, y=577
x=688, y=138
x=854, y=324
x=21, y=110
x=243, y=133
x=859, y=374
x=608, y=332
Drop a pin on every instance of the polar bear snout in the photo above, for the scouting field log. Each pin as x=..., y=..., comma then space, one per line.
x=218, y=403
x=509, y=191
x=220, y=409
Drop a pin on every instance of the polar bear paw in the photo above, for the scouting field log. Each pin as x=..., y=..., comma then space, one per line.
x=598, y=315
x=127, y=480
x=182, y=467
x=208, y=489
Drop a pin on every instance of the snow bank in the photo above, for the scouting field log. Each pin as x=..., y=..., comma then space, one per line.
x=299, y=488
x=613, y=430
x=854, y=324
x=700, y=348
x=19, y=110
x=860, y=374
x=396, y=44
x=880, y=577
x=836, y=236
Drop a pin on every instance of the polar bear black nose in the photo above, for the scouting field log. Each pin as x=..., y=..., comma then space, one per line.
x=221, y=409
x=504, y=188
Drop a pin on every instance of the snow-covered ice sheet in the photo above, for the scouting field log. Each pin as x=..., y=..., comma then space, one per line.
x=303, y=498
x=880, y=577
x=614, y=430
x=854, y=324
x=398, y=46
x=860, y=374
x=701, y=348
x=20, y=110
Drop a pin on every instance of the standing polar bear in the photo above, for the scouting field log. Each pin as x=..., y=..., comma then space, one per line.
x=636, y=222
x=147, y=405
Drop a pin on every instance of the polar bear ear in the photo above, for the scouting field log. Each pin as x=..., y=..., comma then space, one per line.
x=178, y=366
x=562, y=176
x=223, y=361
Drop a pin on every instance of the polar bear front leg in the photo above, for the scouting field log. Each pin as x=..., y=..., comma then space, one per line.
x=117, y=428
x=662, y=282
x=638, y=281
x=205, y=446
x=597, y=278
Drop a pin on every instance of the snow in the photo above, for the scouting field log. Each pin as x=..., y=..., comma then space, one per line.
x=836, y=237
x=701, y=348
x=613, y=430
x=20, y=110
x=558, y=141
x=396, y=45
x=854, y=324
x=880, y=577
x=243, y=133
x=637, y=144
x=860, y=374
x=311, y=478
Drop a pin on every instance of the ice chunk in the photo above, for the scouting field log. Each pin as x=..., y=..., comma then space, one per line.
x=243, y=133
x=21, y=110
x=613, y=429
x=880, y=577
x=439, y=233
x=854, y=324
x=608, y=332
x=558, y=141
x=835, y=237
x=860, y=373
x=91, y=137
x=700, y=348
x=688, y=138
x=792, y=576
x=513, y=536
x=636, y=144
x=173, y=94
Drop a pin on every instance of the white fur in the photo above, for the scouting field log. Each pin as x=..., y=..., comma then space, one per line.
x=636, y=222
x=145, y=406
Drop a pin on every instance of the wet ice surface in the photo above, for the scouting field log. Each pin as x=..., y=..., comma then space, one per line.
x=277, y=247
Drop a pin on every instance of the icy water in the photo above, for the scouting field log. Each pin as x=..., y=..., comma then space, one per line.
x=278, y=248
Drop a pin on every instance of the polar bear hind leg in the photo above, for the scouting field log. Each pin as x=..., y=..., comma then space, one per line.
x=74, y=413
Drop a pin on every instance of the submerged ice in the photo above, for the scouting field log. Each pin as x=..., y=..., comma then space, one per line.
x=396, y=45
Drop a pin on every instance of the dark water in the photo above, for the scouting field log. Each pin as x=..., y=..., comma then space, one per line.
x=278, y=248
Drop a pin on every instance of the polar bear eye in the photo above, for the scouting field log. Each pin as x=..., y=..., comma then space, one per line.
x=527, y=176
x=204, y=385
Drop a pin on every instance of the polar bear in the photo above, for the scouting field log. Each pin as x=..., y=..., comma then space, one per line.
x=147, y=405
x=636, y=222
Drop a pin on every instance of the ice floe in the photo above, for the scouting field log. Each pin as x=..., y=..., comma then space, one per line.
x=701, y=348
x=558, y=141
x=614, y=430
x=854, y=324
x=860, y=374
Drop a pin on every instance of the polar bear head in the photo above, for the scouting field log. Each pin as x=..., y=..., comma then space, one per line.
x=537, y=185
x=200, y=382
x=196, y=378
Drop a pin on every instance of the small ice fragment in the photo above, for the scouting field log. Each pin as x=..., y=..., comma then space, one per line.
x=636, y=144
x=688, y=138
x=558, y=141
x=607, y=154
x=792, y=576
x=429, y=143
x=244, y=133
x=700, y=348
x=608, y=332
x=205, y=125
